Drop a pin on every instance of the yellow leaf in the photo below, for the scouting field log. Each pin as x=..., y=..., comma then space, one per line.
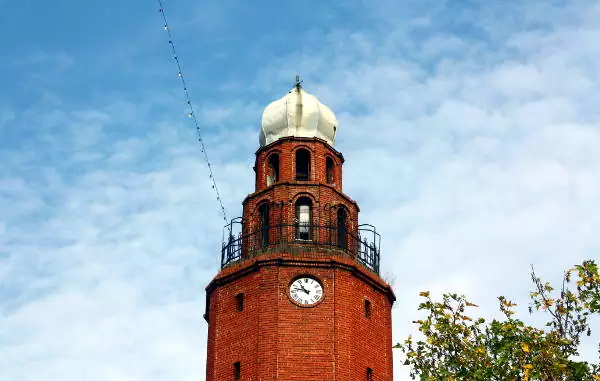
x=525, y=347
x=424, y=294
x=548, y=303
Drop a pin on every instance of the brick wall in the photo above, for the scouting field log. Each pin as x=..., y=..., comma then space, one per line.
x=275, y=339
x=286, y=148
x=282, y=195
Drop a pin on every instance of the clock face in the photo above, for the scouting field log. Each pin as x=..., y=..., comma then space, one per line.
x=306, y=291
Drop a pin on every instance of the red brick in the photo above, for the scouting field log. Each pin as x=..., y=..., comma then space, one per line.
x=275, y=339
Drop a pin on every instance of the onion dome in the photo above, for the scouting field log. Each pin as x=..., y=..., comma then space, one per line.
x=297, y=114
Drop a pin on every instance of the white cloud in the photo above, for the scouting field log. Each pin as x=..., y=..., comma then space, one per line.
x=486, y=164
x=475, y=156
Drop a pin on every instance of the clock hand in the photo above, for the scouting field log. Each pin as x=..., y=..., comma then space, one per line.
x=305, y=290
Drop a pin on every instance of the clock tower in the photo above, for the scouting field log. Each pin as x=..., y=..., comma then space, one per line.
x=299, y=296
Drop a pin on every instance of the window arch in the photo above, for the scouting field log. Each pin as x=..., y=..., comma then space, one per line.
x=302, y=165
x=263, y=224
x=342, y=228
x=272, y=169
x=304, y=219
x=329, y=169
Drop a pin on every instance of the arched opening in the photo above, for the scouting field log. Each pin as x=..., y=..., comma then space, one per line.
x=342, y=228
x=302, y=165
x=329, y=170
x=273, y=169
x=304, y=219
x=263, y=213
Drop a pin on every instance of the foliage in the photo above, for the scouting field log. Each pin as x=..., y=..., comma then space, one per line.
x=457, y=346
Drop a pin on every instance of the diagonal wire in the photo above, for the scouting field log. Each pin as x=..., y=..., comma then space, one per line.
x=191, y=114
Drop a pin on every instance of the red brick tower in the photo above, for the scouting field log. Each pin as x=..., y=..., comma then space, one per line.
x=298, y=296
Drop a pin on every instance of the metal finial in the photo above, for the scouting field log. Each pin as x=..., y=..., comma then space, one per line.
x=298, y=82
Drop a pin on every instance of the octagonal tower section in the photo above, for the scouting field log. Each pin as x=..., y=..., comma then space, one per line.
x=299, y=296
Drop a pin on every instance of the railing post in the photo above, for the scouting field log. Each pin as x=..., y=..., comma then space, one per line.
x=222, y=255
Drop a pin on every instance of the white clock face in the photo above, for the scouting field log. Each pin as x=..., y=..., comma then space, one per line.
x=306, y=291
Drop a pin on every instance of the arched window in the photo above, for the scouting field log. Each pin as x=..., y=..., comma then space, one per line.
x=302, y=165
x=273, y=169
x=304, y=219
x=342, y=228
x=330, y=177
x=263, y=214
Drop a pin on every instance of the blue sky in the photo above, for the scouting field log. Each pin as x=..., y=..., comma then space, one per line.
x=471, y=133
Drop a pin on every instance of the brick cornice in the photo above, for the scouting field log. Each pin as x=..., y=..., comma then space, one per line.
x=301, y=139
x=237, y=271
x=254, y=195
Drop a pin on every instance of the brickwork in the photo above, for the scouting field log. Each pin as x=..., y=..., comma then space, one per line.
x=274, y=338
x=286, y=149
x=281, y=196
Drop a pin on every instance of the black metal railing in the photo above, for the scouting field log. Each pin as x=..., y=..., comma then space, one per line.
x=240, y=243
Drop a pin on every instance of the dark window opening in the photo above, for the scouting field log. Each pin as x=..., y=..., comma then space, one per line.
x=342, y=228
x=303, y=219
x=239, y=302
x=302, y=165
x=263, y=213
x=273, y=169
x=369, y=374
x=237, y=370
x=367, y=308
x=330, y=177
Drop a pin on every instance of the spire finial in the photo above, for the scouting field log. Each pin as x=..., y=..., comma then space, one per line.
x=298, y=84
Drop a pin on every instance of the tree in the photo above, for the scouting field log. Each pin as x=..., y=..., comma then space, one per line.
x=456, y=346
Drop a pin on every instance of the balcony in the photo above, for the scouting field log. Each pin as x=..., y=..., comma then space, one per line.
x=240, y=243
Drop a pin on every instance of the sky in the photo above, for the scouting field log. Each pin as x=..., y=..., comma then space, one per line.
x=471, y=132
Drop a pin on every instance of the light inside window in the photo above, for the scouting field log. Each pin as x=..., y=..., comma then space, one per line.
x=304, y=221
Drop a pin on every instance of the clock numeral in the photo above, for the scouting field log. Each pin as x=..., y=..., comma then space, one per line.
x=317, y=297
x=305, y=280
x=319, y=291
x=306, y=302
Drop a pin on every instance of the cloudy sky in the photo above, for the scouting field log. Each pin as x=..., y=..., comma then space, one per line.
x=471, y=131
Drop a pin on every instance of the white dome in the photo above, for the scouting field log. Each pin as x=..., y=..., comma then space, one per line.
x=297, y=114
